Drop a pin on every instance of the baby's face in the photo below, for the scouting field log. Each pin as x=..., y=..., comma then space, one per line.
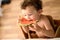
x=30, y=13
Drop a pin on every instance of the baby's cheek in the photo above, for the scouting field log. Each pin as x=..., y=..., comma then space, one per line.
x=32, y=17
x=25, y=17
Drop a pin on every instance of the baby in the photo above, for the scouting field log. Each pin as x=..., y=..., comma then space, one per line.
x=31, y=15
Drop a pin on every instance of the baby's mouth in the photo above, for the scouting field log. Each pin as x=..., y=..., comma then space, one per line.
x=30, y=20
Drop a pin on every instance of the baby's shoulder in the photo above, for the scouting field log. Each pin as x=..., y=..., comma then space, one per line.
x=43, y=18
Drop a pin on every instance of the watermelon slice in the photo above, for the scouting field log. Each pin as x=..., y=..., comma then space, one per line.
x=25, y=22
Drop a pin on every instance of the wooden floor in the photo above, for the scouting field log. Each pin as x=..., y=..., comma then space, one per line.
x=52, y=7
x=9, y=22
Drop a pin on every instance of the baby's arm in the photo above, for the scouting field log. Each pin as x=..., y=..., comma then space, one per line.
x=49, y=30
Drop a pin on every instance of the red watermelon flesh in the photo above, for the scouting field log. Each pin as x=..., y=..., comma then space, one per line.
x=25, y=21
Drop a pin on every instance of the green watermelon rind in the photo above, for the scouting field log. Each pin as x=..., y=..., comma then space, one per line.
x=24, y=25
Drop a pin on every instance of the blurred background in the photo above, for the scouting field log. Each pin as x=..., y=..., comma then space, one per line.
x=52, y=7
x=9, y=27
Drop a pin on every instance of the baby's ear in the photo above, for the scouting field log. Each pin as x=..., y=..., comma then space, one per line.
x=40, y=11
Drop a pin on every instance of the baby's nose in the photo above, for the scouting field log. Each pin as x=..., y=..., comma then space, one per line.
x=29, y=17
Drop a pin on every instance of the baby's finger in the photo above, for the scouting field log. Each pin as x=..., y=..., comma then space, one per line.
x=31, y=27
x=34, y=25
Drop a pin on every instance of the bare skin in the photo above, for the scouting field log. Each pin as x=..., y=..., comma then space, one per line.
x=43, y=27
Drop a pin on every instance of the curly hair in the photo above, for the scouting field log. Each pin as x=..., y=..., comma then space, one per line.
x=36, y=3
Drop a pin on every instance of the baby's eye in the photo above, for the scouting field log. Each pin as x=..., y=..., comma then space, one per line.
x=25, y=15
x=30, y=14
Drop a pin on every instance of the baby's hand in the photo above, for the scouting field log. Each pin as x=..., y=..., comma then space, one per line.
x=26, y=29
x=35, y=28
x=31, y=27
